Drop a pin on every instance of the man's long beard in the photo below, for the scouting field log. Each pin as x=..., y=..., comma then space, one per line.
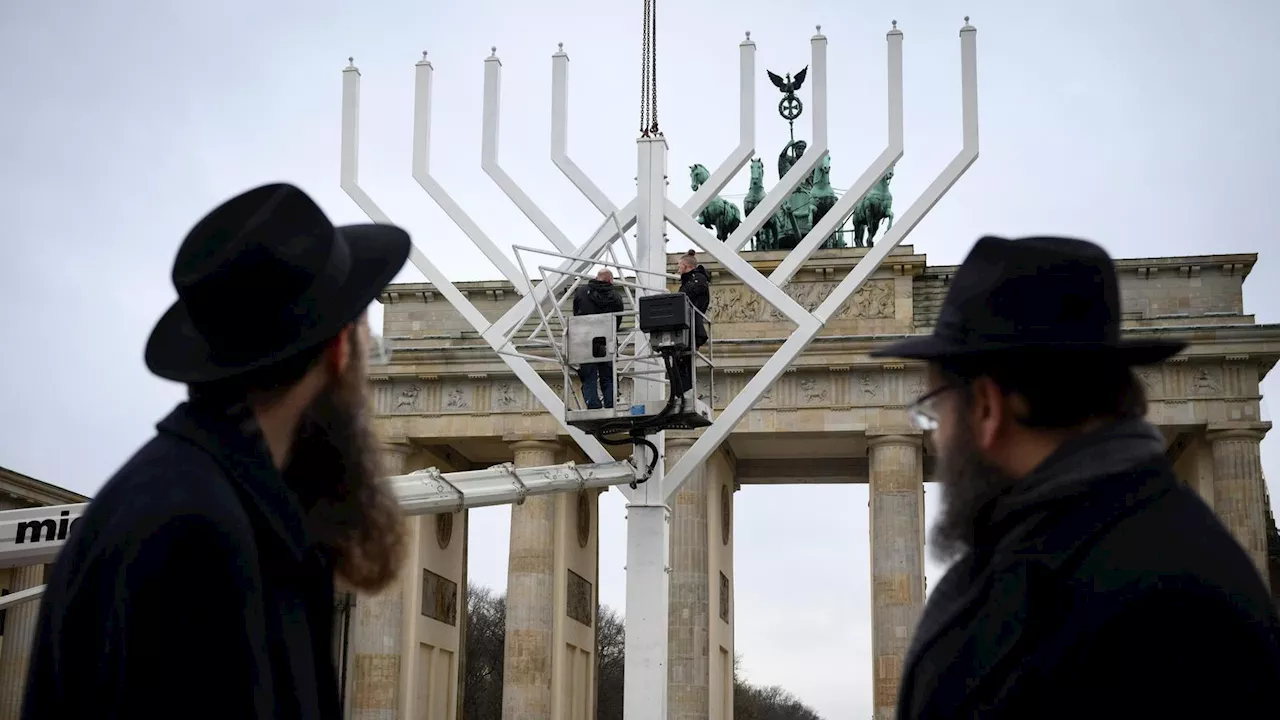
x=335, y=468
x=969, y=485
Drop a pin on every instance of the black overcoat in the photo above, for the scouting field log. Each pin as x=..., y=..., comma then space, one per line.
x=697, y=285
x=1118, y=596
x=189, y=589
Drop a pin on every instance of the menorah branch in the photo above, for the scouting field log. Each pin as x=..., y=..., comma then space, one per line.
x=349, y=182
x=423, y=76
x=846, y=205
x=932, y=194
x=741, y=155
x=492, y=168
x=803, y=167
x=560, y=136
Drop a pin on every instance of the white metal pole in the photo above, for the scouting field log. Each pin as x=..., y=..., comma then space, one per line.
x=648, y=517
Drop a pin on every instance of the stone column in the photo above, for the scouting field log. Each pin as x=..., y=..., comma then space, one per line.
x=19, y=634
x=531, y=587
x=897, y=559
x=1239, y=495
x=688, y=661
x=378, y=633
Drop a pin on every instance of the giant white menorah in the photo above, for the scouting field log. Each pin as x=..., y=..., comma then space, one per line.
x=649, y=212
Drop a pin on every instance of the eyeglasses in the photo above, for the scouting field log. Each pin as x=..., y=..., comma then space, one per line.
x=923, y=413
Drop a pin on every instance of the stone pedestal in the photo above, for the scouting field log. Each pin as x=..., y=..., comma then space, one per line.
x=700, y=654
x=897, y=559
x=1239, y=494
x=19, y=634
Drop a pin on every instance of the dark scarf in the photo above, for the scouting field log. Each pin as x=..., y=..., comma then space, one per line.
x=1080, y=472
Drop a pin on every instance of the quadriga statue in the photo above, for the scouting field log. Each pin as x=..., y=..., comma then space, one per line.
x=767, y=235
x=875, y=207
x=795, y=217
x=720, y=214
x=823, y=197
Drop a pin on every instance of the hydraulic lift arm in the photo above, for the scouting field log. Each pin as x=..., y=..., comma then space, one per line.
x=34, y=536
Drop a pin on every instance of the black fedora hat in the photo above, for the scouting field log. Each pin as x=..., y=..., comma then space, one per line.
x=266, y=276
x=1042, y=296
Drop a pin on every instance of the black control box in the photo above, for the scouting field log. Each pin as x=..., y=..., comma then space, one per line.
x=665, y=313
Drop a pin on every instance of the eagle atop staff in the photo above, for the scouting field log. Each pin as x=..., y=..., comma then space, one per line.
x=790, y=106
x=788, y=86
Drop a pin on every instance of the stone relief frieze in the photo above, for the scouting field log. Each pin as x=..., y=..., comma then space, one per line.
x=408, y=399
x=458, y=397
x=736, y=304
x=767, y=397
x=868, y=386
x=508, y=395
x=739, y=304
x=915, y=388
x=806, y=387
x=1205, y=381
x=813, y=391
x=1152, y=380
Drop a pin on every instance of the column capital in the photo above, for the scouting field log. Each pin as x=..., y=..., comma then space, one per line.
x=1236, y=431
x=396, y=445
x=532, y=441
x=683, y=442
x=912, y=438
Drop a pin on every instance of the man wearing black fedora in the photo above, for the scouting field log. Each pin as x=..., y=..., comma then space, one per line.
x=200, y=581
x=1086, y=581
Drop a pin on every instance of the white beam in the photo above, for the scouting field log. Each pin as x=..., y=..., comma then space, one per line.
x=34, y=536
x=21, y=596
x=644, y=685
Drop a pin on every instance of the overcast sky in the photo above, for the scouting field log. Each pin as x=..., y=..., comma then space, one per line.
x=1150, y=127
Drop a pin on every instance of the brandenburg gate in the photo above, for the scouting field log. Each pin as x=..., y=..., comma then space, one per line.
x=836, y=416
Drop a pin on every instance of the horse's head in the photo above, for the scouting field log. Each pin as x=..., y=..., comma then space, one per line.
x=757, y=169
x=698, y=175
x=887, y=176
x=822, y=173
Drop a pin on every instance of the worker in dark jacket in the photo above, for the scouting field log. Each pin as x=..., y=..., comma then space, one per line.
x=200, y=581
x=597, y=297
x=1087, y=580
x=696, y=283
